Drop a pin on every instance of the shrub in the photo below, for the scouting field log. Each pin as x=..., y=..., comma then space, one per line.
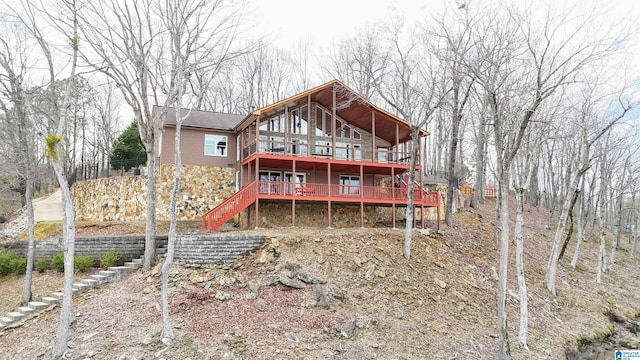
x=10, y=263
x=42, y=265
x=58, y=262
x=18, y=265
x=109, y=258
x=83, y=263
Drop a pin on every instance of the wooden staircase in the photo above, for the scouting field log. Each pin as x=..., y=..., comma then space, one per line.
x=420, y=194
x=229, y=208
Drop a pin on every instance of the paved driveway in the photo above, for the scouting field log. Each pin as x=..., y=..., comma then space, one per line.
x=48, y=208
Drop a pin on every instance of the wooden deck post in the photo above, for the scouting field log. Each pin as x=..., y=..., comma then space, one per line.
x=257, y=190
x=329, y=192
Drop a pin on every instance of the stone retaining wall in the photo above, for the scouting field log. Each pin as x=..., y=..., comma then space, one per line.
x=124, y=198
x=278, y=214
x=190, y=249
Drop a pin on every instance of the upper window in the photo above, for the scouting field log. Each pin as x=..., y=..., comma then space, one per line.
x=215, y=145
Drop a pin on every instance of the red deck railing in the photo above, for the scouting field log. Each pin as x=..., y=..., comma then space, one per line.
x=281, y=190
x=229, y=208
x=338, y=192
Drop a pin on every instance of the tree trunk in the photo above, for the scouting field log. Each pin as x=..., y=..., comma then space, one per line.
x=522, y=285
x=479, y=170
x=68, y=234
x=167, y=329
x=567, y=238
x=503, y=205
x=452, y=183
x=408, y=233
x=616, y=238
x=28, y=277
x=572, y=193
x=580, y=225
x=150, y=231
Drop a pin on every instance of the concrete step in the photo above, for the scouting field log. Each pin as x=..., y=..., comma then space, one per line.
x=135, y=263
x=80, y=287
x=58, y=295
x=5, y=321
x=15, y=316
x=101, y=279
x=50, y=300
x=38, y=305
x=26, y=310
x=121, y=269
x=109, y=274
x=89, y=282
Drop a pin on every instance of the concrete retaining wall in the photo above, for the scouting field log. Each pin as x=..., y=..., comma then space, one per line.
x=190, y=249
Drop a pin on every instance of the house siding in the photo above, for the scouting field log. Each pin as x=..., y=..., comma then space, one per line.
x=192, y=144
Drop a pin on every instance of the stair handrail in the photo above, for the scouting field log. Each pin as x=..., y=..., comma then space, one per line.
x=233, y=204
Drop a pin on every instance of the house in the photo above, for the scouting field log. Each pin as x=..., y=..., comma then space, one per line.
x=324, y=157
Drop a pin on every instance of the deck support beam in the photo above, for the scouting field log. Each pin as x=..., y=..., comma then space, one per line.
x=293, y=192
x=329, y=192
x=361, y=196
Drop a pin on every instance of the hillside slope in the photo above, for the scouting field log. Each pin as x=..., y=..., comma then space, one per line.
x=362, y=300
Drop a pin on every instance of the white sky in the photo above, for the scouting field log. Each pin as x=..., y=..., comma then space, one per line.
x=286, y=22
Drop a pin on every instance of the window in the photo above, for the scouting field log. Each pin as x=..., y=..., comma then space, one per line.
x=215, y=145
x=349, y=185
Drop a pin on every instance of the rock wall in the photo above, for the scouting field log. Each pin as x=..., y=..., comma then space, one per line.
x=124, y=198
x=274, y=214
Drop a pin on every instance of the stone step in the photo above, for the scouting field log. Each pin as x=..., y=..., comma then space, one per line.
x=121, y=269
x=38, y=305
x=109, y=274
x=131, y=264
x=50, y=300
x=5, y=321
x=26, y=310
x=89, y=282
x=80, y=287
x=58, y=295
x=100, y=279
x=15, y=316
x=137, y=261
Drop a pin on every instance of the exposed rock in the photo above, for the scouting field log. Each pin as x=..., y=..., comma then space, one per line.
x=261, y=305
x=347, y=328
x=254, y=288
x=321, y=296
x=222, y=296
x=291, y=336
x=634, y=327
x=440, y=283
x=308, y=279
x=292, y=283
x=629, y=342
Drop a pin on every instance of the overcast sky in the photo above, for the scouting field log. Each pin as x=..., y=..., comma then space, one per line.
x=285, y=22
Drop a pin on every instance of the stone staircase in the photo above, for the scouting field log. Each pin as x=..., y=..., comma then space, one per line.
x=34, y=308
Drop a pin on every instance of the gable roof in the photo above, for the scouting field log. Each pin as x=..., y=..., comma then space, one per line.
x=204, y=119
x=350, y=106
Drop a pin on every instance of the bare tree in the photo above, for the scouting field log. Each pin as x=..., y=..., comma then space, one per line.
x=19, y=131
x=412, y=86
x=590, y=134
x=453, y=49
x=55, y=146
x=128, y=43
x=191, y=33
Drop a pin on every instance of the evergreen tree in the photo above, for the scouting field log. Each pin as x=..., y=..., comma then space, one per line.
x=128, y=150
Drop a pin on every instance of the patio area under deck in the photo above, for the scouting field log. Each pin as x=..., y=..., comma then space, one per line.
x=394, y=195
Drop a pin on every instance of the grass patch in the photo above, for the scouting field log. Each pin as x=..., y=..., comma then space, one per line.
x=44, y=230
